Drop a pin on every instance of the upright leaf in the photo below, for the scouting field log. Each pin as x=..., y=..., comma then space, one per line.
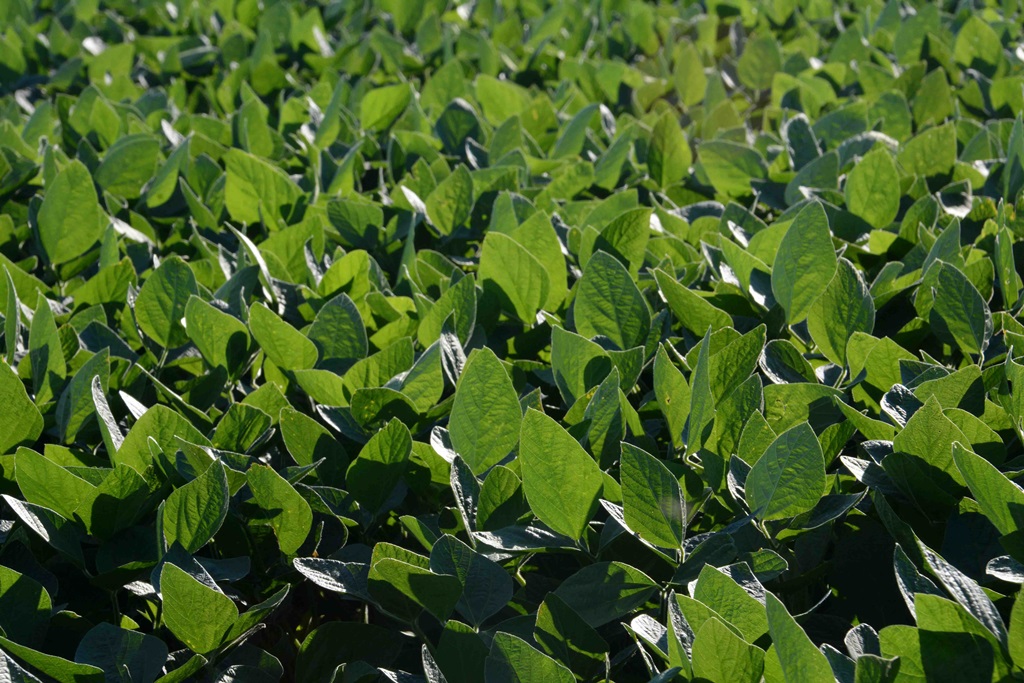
x=789, y=478
x=561, y=481
x=485, y=419
x=805, y=263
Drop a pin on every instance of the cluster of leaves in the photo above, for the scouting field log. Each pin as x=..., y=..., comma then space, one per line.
x=511, y=340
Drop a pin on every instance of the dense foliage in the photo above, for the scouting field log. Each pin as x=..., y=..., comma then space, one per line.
x=511, y=340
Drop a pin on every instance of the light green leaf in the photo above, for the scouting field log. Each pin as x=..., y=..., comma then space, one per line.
x=695, y=312
x=673, y=394
x=873, y=188
x=513, y=660
x=731, y=166
x=798, y=658
x=451, y=203
x=789, y=478
x=375, y=474
x=652, y=500
x=161, y=303
x=255, y=186
x=720, y=656
x=221, y=338
x=289, y=514
x=959, y=314
x=1000, y=499
x=1009, y=280
x=380, y=107
x=128, y=165
x=609, y=304
x=760, y=61
x=20, y=421
x=845, y=308
x=561, y=481
x=196, y=511
x=486, y=416
x=69, y=218
x=513, y=276
x=931, y=152
x=285, y=346
x=669, y=156
x=804, y=264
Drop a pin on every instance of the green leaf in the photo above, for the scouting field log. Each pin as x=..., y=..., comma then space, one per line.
x=673, y=395
x=395, y=584
x=339, y=334
x=695, y=312
x=702, y=399
x=45, y=353
x=732, y=602
x=805, y=263
x=513, y=660
x=720, y=656
x=221, y=338
x=577, y=363
x=75, y=405
x=486, y=416
x=255, y=187
x=562, y=490
x=12, y=319
x=458, y=300
x=161, y=424
x=1009, y=280
x=197, y=615
x=1016, y=638
x=380, y=107
x=377, y=472
x=137, y=656
x=604, y=416
x=56, y=668
x=287, y=512
x=845, y=308
x=605, y=591
x=609, y=304
x=789, y=478
x=1000, y=499
x=931, y=152
x=978, y=46
x=873, y=188
x=285, y=346
x=731, y=166
x=49, y=485
x=799, y=660
x=20, y=421
x=669, y=156
x=652, y=500
x=451, y=203
x=205, y=619
x=562, y=634
x=69, y=217
x=27, y=607
x=760, y=61
x=960, y=314
x=929, y=436
x=195, y=512
x=161, y=303
x=954, y=644
x=486, y=587
x=626, y=238
x=513, y=276
x=128, y=165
